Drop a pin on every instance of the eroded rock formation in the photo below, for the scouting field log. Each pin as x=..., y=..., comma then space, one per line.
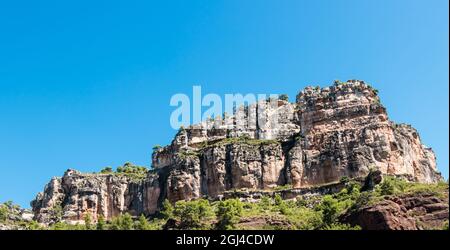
x=423, y=211
x=328, y=133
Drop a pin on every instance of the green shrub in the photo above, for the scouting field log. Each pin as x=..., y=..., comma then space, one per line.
x=344, y=179
x=156, y=224
x=364, y=199
x=4, y=211
x=33, y=225
x=107, y=170
x=387, y=187
x=122, y=222
x=340, y=226
x=305, y=218
x=134, y=172
x=56, y=212
x=88, y=222
x=142, y=223
x=61, y=225
x=167, y=209
x=278, y=200
x=101, y=224
x=265, y=203
x=283, y=97
x=193, y=214
x=281, y=205
x=301, y=202
x=329, y=208
x=228, y=213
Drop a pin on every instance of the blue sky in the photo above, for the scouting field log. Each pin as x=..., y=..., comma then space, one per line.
x=86, y=85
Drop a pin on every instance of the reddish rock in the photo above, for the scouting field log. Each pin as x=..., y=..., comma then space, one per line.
x=407, y=212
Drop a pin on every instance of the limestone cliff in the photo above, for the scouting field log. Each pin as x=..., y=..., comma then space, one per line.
x=328, y=133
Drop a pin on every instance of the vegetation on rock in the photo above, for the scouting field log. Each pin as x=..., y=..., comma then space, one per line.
x=129, y=170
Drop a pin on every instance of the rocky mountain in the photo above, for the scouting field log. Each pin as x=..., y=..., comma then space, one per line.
x=327, y=134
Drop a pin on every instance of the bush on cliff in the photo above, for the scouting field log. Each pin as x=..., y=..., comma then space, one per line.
x=4, y=211
x=283, y=97
x=107, y=170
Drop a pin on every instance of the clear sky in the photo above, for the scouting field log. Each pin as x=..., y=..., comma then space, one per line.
x=86, y=85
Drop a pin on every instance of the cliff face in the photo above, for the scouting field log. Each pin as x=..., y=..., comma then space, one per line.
x=75, y=195
x=328, y=133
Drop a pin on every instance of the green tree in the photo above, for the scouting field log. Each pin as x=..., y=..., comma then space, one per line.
x=167, y=209
x=264, y=203
x=344, y=179
x=142, y=223
x=301, y=202
x=106, y=170
x=88, y=222
x=228, y=213
x=281, y=204
x=101, y=224
x=127, y=222
x=284, y=97
x=132, y=171
x=57, y=212
x=122, y=222
x=33, y=225
x=329, y=208
x=387, y=187
x=4, y=211
x=278, y=200
x=193, y=214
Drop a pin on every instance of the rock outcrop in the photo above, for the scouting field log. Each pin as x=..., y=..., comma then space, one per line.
x=76, y=195
x=12, y=217
x=328, y=133
x=408, y=212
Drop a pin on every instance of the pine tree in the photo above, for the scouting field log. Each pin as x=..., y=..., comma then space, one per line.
x=127, y=222
x=142, y=223
x=167, y=209
x=88, y=221
x=101, y=224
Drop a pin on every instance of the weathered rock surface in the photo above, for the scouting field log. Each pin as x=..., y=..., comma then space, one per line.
x=75, y=195
x=328, y=133
x=407, y=212
x=15, y=218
